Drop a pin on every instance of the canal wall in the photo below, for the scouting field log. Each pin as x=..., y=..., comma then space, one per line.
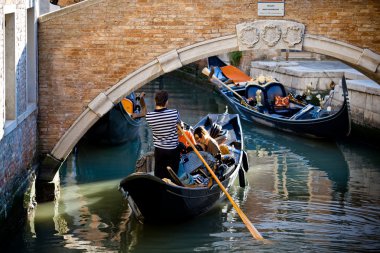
x=18, y=103
x=18, y=161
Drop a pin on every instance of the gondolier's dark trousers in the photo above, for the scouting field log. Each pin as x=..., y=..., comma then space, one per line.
x=164, y=158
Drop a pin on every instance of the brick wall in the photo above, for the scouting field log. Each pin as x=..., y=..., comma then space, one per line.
x=88, y=48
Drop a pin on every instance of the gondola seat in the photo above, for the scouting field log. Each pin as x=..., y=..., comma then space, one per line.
x=273, y=90
x=250, y=93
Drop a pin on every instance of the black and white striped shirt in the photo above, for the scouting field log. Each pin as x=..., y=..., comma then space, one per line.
x=163, y=123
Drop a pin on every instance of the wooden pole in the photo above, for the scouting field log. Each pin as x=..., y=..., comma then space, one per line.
x=243, y=101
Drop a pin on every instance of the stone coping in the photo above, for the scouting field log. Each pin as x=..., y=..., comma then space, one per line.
x=67, y=9
x=365, y=86
x=356, y=80
x=309, y=68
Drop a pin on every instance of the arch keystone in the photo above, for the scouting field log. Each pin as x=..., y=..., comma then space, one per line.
x=170, y=61
x=100, y=105
x=369, y=60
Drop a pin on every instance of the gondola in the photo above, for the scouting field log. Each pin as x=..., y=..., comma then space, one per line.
x=269, y=104
x=159, y=200
x=117, y=126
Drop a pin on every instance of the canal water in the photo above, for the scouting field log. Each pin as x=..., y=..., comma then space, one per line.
x=303, y=195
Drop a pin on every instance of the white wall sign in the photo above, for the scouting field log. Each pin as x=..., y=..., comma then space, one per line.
x=271, y=8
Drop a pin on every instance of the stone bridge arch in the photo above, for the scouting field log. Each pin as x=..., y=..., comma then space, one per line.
x=56, y=61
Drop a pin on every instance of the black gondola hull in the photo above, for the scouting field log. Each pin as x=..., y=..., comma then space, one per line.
x=158, y=201
x=336, y=125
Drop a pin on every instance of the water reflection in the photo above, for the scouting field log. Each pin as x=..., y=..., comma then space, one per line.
x=294, y=156
x=88, y=205
x=364, y=167
x=101, y=162
x=90, y=214
x=304, y=188
x=217, y=231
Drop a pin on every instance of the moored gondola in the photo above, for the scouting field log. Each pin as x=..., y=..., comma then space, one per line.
x=269, y=104
x=153, y=199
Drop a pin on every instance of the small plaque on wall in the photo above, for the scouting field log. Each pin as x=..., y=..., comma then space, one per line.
x=271, y=8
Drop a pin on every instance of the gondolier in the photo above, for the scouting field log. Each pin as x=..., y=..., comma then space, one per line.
x=163, y=122
x=156, y=200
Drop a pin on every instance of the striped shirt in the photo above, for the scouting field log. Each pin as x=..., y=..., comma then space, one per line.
x=163, y=123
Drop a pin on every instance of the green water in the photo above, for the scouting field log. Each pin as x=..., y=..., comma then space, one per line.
x=303, y=196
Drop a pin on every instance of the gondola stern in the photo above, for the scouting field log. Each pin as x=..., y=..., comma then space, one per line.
x=347, y=102
x=135, y=209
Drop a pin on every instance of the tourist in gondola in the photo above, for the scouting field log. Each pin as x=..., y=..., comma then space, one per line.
x=208, y=143
x=163, y=122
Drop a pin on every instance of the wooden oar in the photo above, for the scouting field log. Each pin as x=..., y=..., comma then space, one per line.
x=244, y=218
x=243, y=101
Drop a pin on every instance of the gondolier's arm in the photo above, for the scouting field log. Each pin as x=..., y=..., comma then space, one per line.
x=142, y=113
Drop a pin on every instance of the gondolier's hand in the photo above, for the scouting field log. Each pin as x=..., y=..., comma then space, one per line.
x=142, y=101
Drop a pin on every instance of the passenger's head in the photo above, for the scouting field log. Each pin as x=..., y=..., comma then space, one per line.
x=200, y=134
x=161, y=97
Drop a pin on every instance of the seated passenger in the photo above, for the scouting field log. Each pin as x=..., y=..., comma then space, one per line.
x=208, y=143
